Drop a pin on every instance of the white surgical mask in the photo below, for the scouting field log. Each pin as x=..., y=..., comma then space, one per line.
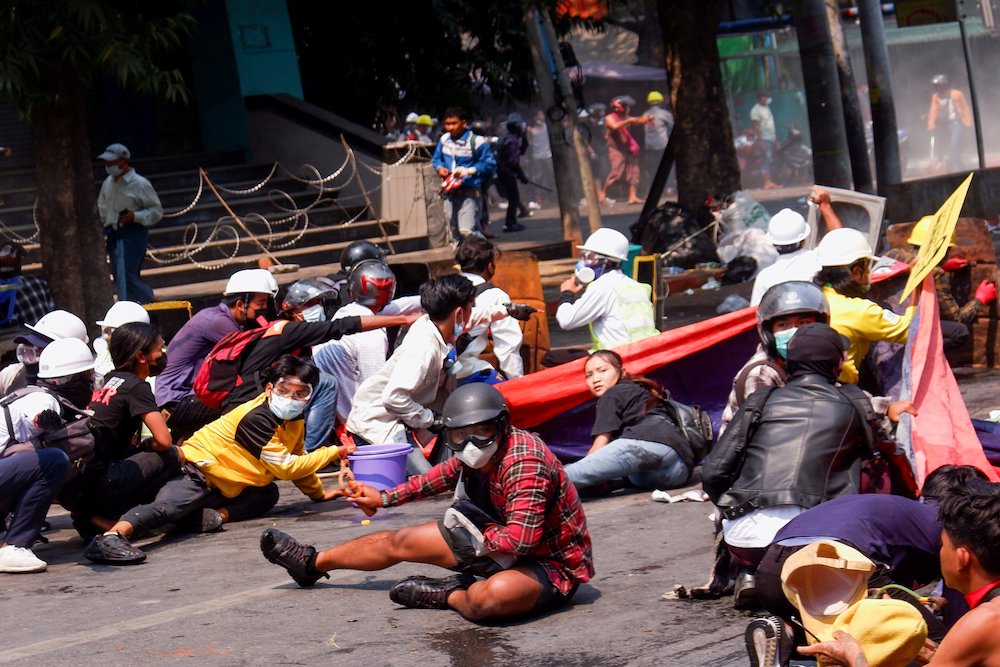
x=474, y=457
x=459, y=328
x=314, y=313
x=113, y=170
x=283, y=407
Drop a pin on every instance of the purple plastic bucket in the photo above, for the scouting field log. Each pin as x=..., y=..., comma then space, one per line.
x=381, y=466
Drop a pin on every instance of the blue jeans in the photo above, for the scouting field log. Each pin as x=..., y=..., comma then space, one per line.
x=134, y=237
x=28, y=483
x=648, y=465
x=461, y=209
x=321, y=412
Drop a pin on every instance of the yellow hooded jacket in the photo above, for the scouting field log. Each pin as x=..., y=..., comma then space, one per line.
x=249, y=446
x=864, y=322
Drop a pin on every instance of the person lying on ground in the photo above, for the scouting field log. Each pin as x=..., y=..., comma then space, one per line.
x=401, y=402
x=516, y=521
x=970, y=563
x=126, y=470
x=229, y=467
x=633, y=435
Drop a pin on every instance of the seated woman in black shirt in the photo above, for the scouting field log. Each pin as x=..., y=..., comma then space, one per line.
x=125, y=470
x=633, y=436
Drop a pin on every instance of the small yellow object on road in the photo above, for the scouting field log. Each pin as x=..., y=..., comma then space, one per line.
x=365, y=522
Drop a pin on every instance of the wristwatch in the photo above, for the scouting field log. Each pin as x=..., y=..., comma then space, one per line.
x=385, y=498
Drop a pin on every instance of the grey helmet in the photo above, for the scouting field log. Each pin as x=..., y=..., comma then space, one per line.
x=474, y=403
x=939, y=80
x=304, y=291
x=371, y=284
x=789, y=298
x=358, y=252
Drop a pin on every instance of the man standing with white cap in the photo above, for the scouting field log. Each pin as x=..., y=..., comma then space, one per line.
x=129, y=206
x=616, y=309
x=786, y=231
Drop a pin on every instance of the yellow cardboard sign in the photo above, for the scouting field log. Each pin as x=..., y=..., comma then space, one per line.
x=943, y=226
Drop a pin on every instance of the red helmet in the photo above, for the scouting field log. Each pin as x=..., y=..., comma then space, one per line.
x=371, y=284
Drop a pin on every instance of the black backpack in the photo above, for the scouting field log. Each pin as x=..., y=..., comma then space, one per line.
x=694, y=424
x=74, y=437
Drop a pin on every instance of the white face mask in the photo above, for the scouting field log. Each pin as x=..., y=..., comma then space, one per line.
x=314, y=313
x=113, y=170
x=474, y=457
x=283, y=407
x=459, y=327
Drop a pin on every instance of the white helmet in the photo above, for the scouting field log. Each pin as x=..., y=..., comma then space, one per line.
x=787, y=228
x=60, y=324
x=251, y=281
x=412, y=117
x=67, y=356
x=843, y=247
x=123, y=312
x=607, y=242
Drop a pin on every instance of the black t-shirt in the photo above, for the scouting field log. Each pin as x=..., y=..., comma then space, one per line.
x=118, y=408
x=624, y=413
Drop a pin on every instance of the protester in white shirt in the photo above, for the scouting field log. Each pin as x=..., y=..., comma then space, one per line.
x=787, y=230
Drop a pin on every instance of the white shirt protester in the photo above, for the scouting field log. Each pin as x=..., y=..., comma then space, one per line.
x=505, y=333
x=132, y=192
x=617, y=308
x=23, y=412
x=801, y=264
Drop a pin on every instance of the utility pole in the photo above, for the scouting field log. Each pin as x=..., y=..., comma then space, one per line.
x=831, y=165
x=887, y=168
x=557, y=98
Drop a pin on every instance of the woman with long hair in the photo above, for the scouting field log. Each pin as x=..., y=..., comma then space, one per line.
x=126, y=469
x=633, y=435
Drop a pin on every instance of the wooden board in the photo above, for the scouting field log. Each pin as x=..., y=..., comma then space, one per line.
x=518, y=275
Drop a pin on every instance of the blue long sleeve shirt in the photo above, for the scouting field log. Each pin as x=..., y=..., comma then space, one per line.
x=466, y=151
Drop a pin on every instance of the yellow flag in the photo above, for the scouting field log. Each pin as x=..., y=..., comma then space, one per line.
x=942, y=227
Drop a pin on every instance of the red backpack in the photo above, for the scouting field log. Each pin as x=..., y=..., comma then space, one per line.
x=221, y=372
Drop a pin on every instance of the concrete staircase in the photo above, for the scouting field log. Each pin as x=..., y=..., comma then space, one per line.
x=315, y=238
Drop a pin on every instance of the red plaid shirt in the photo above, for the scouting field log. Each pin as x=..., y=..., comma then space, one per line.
x=526, y=478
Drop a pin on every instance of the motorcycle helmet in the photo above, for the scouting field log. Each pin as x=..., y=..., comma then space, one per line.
x=789, y=298
x=304, y=292
x=371, y=284
x=358, y=252
x=470, y=404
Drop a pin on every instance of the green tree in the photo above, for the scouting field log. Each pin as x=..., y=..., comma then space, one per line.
x=52, y=52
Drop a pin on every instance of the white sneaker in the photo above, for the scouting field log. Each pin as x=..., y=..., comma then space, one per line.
x=503, y=206
x=18, y=559
x=533, y=205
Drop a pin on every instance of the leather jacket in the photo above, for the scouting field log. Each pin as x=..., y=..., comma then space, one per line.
x=805, y=446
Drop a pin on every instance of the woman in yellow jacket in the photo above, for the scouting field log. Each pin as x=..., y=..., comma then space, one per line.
x=229, y=466
x=846, y=258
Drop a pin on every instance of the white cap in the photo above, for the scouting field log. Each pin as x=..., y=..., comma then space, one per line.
x=123, y=312
x=251, y=281
x=412, y=117
x=787, y=228
x=60, y=324
x=607, y=242
x=843, y=247
x=113, y=152
x=67, y=356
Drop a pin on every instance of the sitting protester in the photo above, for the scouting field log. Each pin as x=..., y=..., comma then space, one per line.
x=970, y=563
x=121, y=312
x=230, y=466
x=51, y=326
x=633, y=435
x=125, y=470
x=788, y=449
x=516, y=521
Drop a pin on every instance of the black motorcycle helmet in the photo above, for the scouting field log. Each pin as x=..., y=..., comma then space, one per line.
x=371, y=284
x=358, y=252
x=790, y=298
x=475, y=403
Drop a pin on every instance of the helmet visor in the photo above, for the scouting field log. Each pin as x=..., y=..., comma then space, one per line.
x=481, y=435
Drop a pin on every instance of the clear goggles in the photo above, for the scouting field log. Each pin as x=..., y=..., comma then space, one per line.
x=28, y=354
x=481, y=435
x=294, y=390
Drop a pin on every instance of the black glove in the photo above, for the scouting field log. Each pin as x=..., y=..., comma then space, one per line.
x=48, y=420
x=521, y=311
x=437, y=425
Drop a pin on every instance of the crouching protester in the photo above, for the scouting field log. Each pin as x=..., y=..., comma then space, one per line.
x=516, y=532
x=229, y=467
x=970, y=563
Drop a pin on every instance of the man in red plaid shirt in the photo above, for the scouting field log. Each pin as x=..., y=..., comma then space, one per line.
x=516, y=532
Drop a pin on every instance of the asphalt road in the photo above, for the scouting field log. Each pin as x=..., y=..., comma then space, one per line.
x=215, y=600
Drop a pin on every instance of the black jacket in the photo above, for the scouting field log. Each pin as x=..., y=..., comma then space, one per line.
x=803, y=446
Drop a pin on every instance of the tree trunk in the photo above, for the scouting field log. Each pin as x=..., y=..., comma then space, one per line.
x=854, y=122
x=706, y=157
x=831, y=165
x=649, y=51
x=72, y=244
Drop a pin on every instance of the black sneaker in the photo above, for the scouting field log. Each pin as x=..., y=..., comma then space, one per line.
x=205, y=520
x=427, y=593
x=763, y=637
x=113, y=549
x=299, y=559
x=514, y=227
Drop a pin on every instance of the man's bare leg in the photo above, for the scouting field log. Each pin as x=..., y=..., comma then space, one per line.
x=509, y=593
x=422, y=543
